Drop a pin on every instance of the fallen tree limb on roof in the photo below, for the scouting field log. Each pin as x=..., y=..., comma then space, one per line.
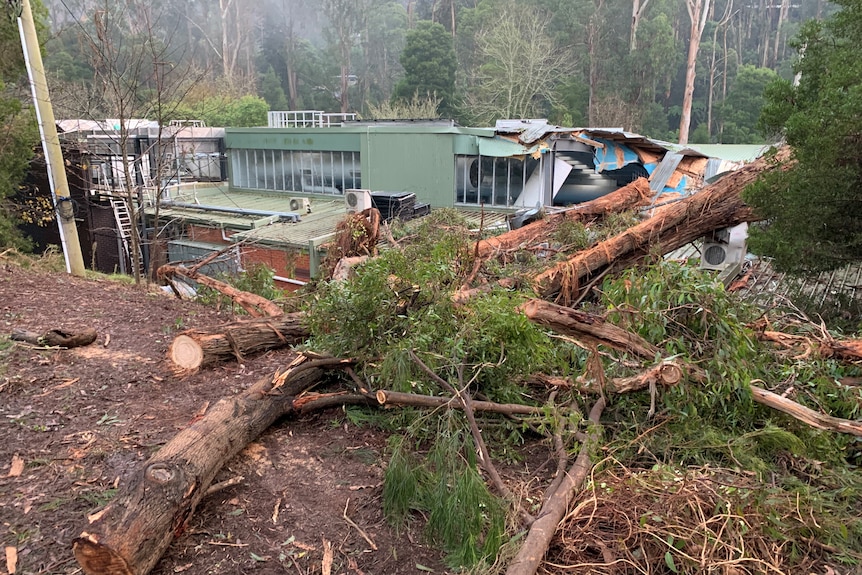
x=717, y=205
x=630, y=196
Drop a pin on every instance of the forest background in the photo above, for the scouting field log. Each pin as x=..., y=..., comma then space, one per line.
x=593, y=63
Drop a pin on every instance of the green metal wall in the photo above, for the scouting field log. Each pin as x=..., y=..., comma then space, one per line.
x=302, y=139
x=408, y=162
x=414, y=159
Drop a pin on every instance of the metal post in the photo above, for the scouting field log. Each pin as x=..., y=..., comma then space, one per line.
x=50, y=143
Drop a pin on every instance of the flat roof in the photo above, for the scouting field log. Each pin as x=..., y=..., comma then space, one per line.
x=246, y=212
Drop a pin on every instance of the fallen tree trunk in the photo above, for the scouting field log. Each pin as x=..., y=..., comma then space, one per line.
x=630, y=196
x=717, y=205
x=131, y=533
x=55, y=337
x=538, y=539
x=194, y=348
x=589, y=328
x=806, y=415
x=255, y=305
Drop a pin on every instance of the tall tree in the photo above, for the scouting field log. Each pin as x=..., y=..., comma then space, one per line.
x=18, y=133
x=345, y=18
x=638, y=9
x=741, y=109
x=813, y=208
x=429, y=66
x=519, y=66
x=698, y=12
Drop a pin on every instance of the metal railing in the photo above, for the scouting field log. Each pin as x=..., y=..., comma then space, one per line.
x=307, y=119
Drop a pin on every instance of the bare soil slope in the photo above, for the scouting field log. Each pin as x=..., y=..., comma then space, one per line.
x=82, y=419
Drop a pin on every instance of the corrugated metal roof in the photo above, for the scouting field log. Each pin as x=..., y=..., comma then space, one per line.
x=768, y=288
x=321, y=222
x=664, y=171
x=731, y=152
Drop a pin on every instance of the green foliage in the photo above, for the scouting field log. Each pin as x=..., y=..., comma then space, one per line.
x=18, y=136
x=429, y=66
x=224, y=111
x=741, y=109
x=257, y=279
x=689, y=315
x=813, y=208
x=361, y=318
x=272, y=92
x=463, y=517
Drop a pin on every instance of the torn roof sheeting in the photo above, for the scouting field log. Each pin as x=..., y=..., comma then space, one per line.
x=614, y=150
x=528, y=131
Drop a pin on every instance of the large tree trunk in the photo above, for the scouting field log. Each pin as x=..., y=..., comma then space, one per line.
x=630, y=196
x=697, y=13
x=718, y=205
x=194, y=348
x=129, y=536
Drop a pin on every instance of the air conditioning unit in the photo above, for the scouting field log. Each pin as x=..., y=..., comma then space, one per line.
x=724, y=248
x=300, y=205
x=357, y=200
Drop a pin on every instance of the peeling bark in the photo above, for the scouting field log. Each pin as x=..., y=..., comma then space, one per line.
x=717, y=205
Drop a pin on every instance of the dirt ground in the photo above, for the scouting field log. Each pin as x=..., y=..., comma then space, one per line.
x=83, y=419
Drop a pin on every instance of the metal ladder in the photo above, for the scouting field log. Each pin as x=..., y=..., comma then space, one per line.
x=126, y=228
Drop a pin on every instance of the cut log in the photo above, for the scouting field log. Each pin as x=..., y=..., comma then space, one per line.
x=717, y=205
x=255, y=305
x=588, y=328
x=132, y=532
x=193, y=349
x=55, y=337
x=630, y=196
x=666, y=373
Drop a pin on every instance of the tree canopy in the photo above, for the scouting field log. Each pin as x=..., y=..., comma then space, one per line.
x=429, y=66
x=18, y=133
x=813, y=208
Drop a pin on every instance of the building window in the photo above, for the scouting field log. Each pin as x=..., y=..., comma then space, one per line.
x=292, y=171
x=490, y=181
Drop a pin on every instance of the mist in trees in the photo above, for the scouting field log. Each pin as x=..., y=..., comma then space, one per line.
x=813, y=207
x=624, y=63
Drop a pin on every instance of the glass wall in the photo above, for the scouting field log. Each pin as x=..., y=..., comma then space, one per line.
x=292, y=171
x=491, y=181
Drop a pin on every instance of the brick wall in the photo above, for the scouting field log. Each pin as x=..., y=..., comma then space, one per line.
x=287, y=263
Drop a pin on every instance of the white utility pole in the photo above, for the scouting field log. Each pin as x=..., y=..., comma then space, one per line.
x=50, y=142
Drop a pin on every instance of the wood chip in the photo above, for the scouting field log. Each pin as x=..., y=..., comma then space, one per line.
x=326, y=564
x=275, y=510
x=11, y=560
x=17, y=467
